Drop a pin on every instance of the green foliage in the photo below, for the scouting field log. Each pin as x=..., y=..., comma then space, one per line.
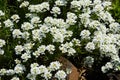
x=115, y=11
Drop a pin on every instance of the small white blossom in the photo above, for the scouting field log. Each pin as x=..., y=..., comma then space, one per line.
x=35, y=20
x=61, y=75
x=24, y=4
x=90, y=46
x=19, y=69
x=17, y=33
x=2, y=13
x=56, y=10
x=15, y=78
x=2, y=43
x=3, y=71
x=85, y=34
x=54, y=66
x=19, y=49
x=25, y=56
x=26, y=26
x=8, y=23
x=15, y=18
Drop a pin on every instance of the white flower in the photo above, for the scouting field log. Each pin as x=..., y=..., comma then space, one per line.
x=39, y=7
x=35, y=70
x=8, y=23
x=17, y=33
x=36, y=54
x=54, y=66
x=15, y=78
x=34, y=65
x=10, y=72
x=19, y=68
x=25, y=35
x=76, y=4
x=58, y=37
x=1, y=52
x=2, y=43
x=85, y=34
x=56, y=10
x=41, y=49
x=2, y=13
x=3, y=71
x=24, y=4
x=19, y=49
x=44, y=29
x=35, y=20
x=17, y=61
x=114, y=27
x=25, y=56
x=15, y=17
x=71, y=51
x=43, y=69
x=28, y=46
x=60, y=2
x=47, y=75
x=27, y=26
x=90, y=46
x=61, y=75
x=50, y=48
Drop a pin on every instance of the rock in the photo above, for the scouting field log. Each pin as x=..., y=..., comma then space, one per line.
x=74, y=75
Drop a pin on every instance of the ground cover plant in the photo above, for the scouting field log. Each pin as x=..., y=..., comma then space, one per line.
x=34, y=34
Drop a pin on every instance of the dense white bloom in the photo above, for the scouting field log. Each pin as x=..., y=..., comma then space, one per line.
x=26, y=26
x=24, y=4
x=54, y=66
x=8, y=23
x=85, y=34
x=25, y=56
x=15, y=78
x=2, y=43
x=2, y=13
x=15, y=17
x=17, y=33
x=71, y=15
x=61, y=75
x=107, y=67
x=58, y=37
x=90, y=46
x=19, y=49
x=19, y=68
x=35, y=20
x=97, y=2
x=56, y=10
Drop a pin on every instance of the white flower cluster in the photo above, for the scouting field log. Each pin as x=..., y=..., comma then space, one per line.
x=68, y=48
x=39, y=7
x=85, y=24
